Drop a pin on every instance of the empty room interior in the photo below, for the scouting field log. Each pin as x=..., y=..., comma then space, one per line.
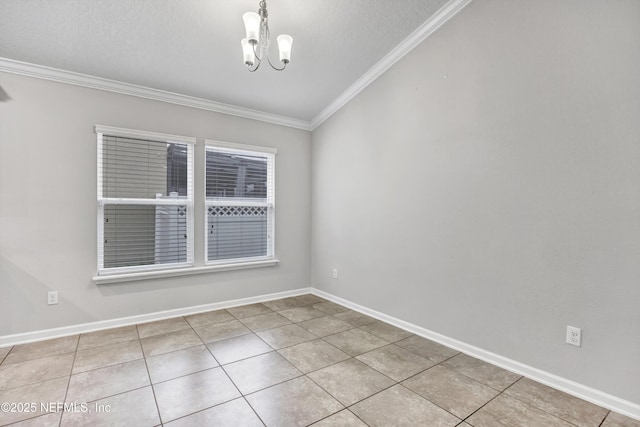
x=328, y=213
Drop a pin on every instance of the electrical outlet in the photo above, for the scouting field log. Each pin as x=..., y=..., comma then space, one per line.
x=52, y=297
x=574, y=336
x=335, y=273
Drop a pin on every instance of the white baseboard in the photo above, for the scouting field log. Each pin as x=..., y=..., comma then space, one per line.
x=581, y=391
x=27, y=337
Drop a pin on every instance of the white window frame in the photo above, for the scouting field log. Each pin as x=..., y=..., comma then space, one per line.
x=242, y=149
x=102, y=201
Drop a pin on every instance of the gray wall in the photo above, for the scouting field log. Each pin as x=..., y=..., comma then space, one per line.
x=500, y=204
x=48, y=206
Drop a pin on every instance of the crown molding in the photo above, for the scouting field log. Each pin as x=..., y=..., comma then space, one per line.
x=445, y=13
x=78, y=79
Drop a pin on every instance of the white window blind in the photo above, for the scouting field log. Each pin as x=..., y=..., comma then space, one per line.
x=145, y=200
x=239, y=203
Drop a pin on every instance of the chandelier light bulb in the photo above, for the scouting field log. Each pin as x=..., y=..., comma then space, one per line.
x=284, y=45
x=247, y=52
x=252, y=26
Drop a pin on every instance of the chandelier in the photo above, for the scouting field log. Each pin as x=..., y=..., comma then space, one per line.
x=255, y=47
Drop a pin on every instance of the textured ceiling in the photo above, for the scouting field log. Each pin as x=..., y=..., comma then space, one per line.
x=192, y=47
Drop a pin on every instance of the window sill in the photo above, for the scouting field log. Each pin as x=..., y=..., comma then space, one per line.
x=159, y=274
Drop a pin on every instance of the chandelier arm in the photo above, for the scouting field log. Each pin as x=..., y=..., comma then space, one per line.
x=273, y=66
x=255, y=69
x=257, y=58
x=255, y=54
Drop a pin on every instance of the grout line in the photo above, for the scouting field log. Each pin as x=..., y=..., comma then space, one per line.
x=478, y=381
x=6, y=355
x=244, y=358
x=234, y=384
x=153, y=389
x=344, y=409
x=529, y=403
x=356, y=415
x=274, y=384
x=481, y=406
x=604, y=419
x=327, y=391
x=66, y=393
x=109, y=364
x=432, y=402
x=324, y=367
x=205, y=409
x=37, y=382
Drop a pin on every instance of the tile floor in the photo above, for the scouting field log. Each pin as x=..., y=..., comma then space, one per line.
x=291, y=362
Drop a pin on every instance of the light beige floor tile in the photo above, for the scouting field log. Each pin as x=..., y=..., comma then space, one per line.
x=104, y=382
x=107, y=355
x=354, y=318
x=395, y=362
x=616, y=420
x=504, y=411
x=175, y=364
x=355, y=341
x=172, y=341
x=35, y=350
x=234, y=413
x=209, y=318
x=350, y=381
x=162, y=327
x=426, y=348
x=50, y=420
x=133, y=408
x=450, y=390
x=323, y=326
x=265, y=321
x=309, y=299
x=341, y=419
x=34, y=371
x=249, y=310
x=283, y=304
x=300, y=314
x=238, y=348
x=313, y=355
x=484, y=372
x=562, y=405
x=262, y=371
x=285, y=336
x=330, y=307
x=386, y=331
x=398, y=406
x=195, y=392
x=43, y=392
x=298, y=402
x=221, y=331
x=108, y=336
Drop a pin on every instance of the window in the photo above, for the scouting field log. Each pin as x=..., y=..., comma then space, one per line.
x=145, y=201
x=239, y=203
